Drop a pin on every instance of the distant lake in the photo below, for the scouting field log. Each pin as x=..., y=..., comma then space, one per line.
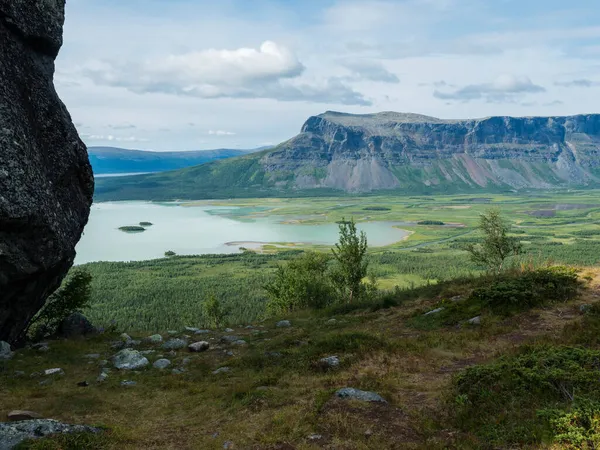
x=107, y=175
x=199, y=230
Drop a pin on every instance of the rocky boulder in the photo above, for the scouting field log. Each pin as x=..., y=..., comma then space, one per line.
x=128, y=359
x=75, y=325
x=5, y=352
x=12, y=434
x=46, y=182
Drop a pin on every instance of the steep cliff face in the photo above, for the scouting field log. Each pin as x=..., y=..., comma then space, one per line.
x=407, y=153
x=46, y=182
x=390, y=150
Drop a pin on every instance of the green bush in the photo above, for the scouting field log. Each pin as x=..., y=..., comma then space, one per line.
x=73, y=296
x=544, y=393
x=215, y=313
x=300, y=284
x=431, y=222
x=517, y=291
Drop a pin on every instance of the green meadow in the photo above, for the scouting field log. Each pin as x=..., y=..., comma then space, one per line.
x=560, y=227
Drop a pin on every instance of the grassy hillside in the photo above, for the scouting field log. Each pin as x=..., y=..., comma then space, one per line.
x=506, y=383
x=111, y=160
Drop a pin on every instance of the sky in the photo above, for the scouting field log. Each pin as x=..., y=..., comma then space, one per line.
x=203, y=74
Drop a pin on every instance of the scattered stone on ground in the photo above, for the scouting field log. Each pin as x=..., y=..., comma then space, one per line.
x=5, y=352
x=330, y=362
x=199, y=346
x=178, y=371
x=76, y=325
x=228, y=445
x=102, y=377
x=13, y=433
x=331, y=322
x=239, y=342
x=173, y=332
x=221, y=370
x=161, y=364
x=43, y=349
x=20, y=415
x=104, y=362
x=315, y=437
x=456, y=298
x=229, y=330
x=56, y=371
x=435, y=311
x=128, y=359
x=284, y=324
x=192, y=329
x=155, y=339
x=202, y=332
x=584, y=308
x=186, y=361
x=357, y=394
x=475, y=321
x=148, y=352
x=174, y=344
x=229, y=339
x=128, y=383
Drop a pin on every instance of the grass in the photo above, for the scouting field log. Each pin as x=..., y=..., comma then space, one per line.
x=276, y=394
x=162, y=294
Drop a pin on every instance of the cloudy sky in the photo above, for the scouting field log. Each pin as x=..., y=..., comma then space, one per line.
x=203, y=74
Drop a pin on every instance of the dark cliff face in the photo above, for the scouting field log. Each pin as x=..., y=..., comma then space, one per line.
x=46, y=182
x=497, y=151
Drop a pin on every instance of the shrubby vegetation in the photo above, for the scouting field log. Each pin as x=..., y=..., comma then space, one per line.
x=73, y=296
x=497, y=245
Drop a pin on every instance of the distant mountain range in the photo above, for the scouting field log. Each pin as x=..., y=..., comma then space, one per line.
x=112, y=160
x=337, y=153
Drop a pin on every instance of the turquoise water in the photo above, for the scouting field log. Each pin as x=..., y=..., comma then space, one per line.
x=193, y=231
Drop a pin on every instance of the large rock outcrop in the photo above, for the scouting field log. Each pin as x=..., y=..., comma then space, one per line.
x=406, y=153
x=46, y=182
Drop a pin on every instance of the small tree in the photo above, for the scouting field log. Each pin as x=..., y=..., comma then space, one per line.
x=73, y=296
x=214, y=312
x=350, y=254
x=302, y=283
x=496, y=245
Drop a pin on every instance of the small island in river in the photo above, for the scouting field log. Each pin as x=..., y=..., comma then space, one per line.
x=132, y=229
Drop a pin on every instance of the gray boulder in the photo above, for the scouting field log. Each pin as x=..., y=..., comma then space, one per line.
x=5, y=352
x=230, y=339
x=128, y=359
x=284, y=324
x=474, y=321
x=198, y=347
x=434, y=311
x=76, y=325
x=13, y=433
x=46, y=182
x=174, y=344
x=221, y=370
x=329, y=362
x=357, y=394
x=161, y=364
x=154, y=339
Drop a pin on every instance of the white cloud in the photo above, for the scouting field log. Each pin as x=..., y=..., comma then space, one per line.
x=581, y=82
x=503, y=88
x=269, y=72
x=364, y=69
x=111, y=138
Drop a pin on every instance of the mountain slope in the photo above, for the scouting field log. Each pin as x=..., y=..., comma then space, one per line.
x=344, y=153
x=111, y=160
